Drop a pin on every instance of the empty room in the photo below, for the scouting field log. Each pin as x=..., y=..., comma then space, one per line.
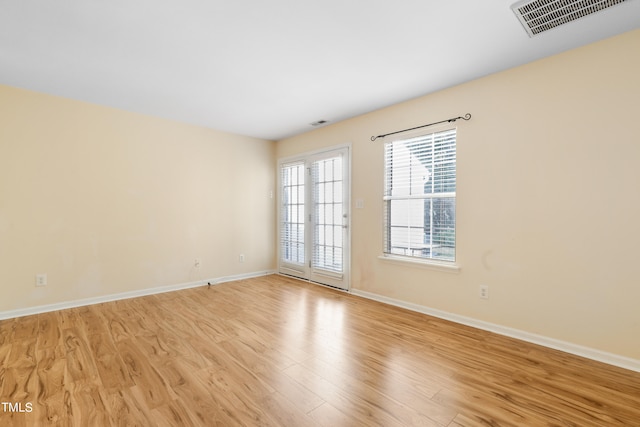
x=345, y=213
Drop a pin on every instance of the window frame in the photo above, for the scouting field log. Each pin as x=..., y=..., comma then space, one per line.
x=419, y=261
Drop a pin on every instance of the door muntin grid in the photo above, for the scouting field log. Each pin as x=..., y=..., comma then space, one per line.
x=292, y=227
x=329, y=214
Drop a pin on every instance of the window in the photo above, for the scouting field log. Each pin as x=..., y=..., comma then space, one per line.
x=420, y=196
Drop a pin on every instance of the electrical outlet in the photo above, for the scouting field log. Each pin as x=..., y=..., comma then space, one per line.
x=484, y=291
x=41, y=279
x=197, y=263
x=241, y=257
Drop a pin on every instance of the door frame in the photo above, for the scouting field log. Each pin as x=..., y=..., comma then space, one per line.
x=307, y=158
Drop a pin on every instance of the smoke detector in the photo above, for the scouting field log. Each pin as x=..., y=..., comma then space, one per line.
x=542, y=15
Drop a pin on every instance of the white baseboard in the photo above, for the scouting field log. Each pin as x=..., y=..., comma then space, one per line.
x=10, y=314
x=567, y=347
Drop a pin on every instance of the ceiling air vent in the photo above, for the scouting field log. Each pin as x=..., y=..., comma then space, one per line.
x=319, y=123
x=541, y=15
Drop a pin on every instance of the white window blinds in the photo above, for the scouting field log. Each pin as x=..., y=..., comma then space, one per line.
x=420, y=196
x=328, y=205
x=292, y=213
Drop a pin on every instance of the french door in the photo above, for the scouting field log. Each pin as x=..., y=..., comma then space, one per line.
x=314, y=217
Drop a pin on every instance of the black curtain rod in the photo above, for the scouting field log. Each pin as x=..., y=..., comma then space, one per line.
x=466, y=117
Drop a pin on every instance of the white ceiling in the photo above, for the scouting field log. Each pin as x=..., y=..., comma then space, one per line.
x=270, y=68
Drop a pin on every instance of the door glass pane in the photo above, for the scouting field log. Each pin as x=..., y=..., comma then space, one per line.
x=292, y=221
x=329, y=214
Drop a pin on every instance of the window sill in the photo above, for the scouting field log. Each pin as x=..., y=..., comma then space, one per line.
x=428, y=264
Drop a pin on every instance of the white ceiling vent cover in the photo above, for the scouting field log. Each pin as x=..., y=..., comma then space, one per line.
x=541, y=15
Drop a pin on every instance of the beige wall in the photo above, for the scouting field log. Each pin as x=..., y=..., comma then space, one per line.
x=548, y=197
x=106, y=201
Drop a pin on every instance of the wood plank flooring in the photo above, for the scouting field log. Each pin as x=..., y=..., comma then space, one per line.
x=275, y=351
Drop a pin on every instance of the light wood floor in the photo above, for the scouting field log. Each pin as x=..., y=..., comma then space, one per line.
x=277, y=351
